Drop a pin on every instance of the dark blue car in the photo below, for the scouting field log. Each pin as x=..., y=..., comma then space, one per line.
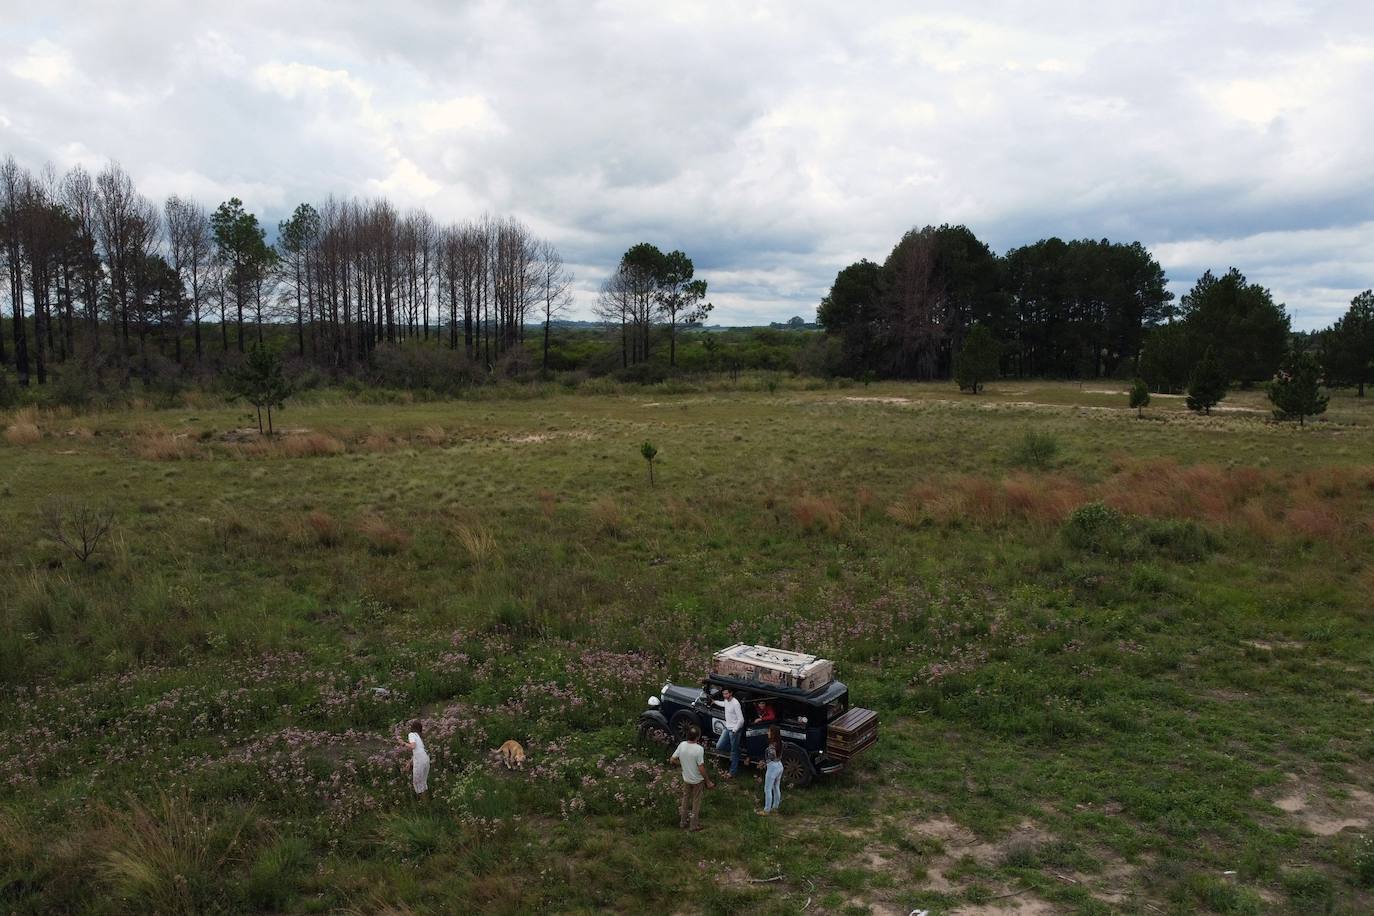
x=820, y=731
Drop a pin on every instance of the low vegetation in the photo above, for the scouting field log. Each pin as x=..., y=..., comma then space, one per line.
x=1122, y=666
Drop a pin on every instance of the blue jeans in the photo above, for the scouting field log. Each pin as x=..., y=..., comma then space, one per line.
x=732, y=739
x=772, y=786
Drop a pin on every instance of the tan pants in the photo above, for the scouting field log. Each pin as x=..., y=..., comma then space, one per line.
x=689, y=809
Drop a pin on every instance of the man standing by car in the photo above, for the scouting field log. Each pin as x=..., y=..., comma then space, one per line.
x=733, y=732
x=692, y=758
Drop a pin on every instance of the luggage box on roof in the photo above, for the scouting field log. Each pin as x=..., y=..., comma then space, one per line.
x=773, y=667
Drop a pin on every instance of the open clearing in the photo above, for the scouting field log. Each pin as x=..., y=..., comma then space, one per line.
x=1168, y=713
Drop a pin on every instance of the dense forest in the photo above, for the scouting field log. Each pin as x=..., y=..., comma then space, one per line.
x=109, y=291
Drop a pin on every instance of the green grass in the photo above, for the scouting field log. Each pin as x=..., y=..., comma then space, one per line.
x=1098, y=709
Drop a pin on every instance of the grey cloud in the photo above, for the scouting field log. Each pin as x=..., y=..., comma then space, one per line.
x=773, y=142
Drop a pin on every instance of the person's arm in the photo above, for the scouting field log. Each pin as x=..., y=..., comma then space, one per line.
x=701, y=771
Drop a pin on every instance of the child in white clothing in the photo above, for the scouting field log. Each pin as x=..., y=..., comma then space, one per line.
x=419, y=757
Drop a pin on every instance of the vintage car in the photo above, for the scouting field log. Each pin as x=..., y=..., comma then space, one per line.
x=821, y=732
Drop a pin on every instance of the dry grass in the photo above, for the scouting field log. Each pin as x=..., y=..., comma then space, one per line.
x=161, y=445
x=607, y=518
x=1323, y=504
x=381, y=535
x=1316, y=523
x=548, y=503
x=325, y=529
x=309, y=445
x=23, y=433
x=432, y=435
x=817, y=513
x=477, y=542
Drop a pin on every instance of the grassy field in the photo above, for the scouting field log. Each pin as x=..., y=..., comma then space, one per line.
x=1159, y=703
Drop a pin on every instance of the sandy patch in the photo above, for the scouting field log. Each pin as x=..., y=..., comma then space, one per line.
x=1322, y=815
x=1020, y=904
x=878, y=400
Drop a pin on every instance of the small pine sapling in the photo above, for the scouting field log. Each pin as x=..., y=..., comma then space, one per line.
x=650, y=453
x=1140, y=396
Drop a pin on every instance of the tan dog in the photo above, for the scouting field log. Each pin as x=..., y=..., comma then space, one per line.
x=512, y=754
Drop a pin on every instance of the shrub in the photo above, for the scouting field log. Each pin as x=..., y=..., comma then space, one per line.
x=1035, y=450
x=1183, y=539
x=1097, y=528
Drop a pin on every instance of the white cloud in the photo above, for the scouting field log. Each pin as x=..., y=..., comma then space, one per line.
x=772, y=141
x=46, y=64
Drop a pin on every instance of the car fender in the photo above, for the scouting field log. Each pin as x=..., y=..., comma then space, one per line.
x=653, y=715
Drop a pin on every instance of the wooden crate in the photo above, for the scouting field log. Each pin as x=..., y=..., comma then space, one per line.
x=851, y=733
x=773, y=667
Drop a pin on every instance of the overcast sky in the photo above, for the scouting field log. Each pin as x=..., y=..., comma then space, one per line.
x=773, y=142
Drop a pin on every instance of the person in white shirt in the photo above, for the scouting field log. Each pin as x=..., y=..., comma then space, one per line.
x=690, y=755
x=733, y=733
x=419, y=757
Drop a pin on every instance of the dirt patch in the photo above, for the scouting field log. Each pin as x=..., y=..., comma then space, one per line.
x=878, y=400
x=1322, y=815
x=1270, y=645
x=1021, y=904
x=251, y=434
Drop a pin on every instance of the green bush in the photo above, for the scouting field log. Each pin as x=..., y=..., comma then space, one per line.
x=1180, y=539
x=1096, y=528
x=1035, y=450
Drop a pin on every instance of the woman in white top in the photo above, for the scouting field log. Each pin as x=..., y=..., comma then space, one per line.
x=419, y=757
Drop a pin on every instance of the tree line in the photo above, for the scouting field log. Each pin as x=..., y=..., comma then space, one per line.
x=1078, y=309
x=98, y=273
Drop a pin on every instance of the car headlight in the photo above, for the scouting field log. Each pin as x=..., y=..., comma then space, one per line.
x=653, y=701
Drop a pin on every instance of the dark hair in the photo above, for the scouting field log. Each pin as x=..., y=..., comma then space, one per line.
x=775, y=738
x=417, y=727
x=693, y=733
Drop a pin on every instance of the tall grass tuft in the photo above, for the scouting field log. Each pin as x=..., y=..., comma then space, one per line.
x=23, y=432
x=477, y=542
x=817, y=513
x=168, y=857
x=324, y=527
x=381, y=535
x=607, y=518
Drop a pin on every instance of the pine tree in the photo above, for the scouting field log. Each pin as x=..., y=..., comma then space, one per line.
x=1140, y=396
x=978, y=361
x=260, y=382
x=1208, y=385
x=1295, y=390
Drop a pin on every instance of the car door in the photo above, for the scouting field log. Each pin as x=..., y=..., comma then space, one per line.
x=712, y=716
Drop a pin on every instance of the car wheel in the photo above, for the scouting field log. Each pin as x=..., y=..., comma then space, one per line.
x=797, y=771
x=653, y=733
x=682, y=720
